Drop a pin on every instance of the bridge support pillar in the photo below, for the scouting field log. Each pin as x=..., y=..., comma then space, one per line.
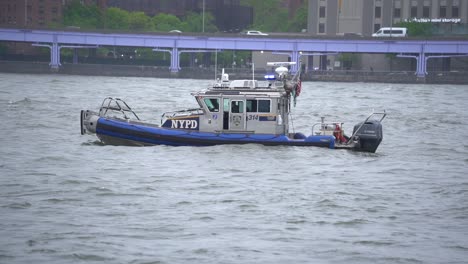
x=75, y=56
x=54, y=55
x=295, y=57
x=421, y=63
x=175, y=60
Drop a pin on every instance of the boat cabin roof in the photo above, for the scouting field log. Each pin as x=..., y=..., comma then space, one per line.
x=249, y=88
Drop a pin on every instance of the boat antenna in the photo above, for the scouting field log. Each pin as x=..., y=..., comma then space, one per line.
x=216, y=63
x=253, y=72
x=292, y=121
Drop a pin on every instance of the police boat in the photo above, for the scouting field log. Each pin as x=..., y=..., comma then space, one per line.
x=231, y=112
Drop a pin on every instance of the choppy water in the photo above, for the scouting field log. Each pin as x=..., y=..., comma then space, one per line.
x=66, y=199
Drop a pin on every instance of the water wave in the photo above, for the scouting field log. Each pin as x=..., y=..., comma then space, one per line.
x=69, y=198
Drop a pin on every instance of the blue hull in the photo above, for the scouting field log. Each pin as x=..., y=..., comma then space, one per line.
x=116, y=132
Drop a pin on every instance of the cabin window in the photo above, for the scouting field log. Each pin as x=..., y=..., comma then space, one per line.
x=226, y=105
x=251, y=105
x=237, y=107
x=212, y=104
x=264, y=106
x=258, y=106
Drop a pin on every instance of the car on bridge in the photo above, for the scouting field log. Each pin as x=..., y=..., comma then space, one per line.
x=255, y=33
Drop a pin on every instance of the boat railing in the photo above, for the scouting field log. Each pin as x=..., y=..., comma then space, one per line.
x=116, y=105
x=325, y=128
x=180, y=113
x=186, y=112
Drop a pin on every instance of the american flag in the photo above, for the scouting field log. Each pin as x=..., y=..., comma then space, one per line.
x=298, y=87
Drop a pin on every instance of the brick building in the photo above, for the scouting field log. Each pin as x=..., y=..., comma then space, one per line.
x=332, y=17
x=36, y=13
x=364, y=17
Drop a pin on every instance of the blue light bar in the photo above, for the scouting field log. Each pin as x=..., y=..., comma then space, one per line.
x=270, y=77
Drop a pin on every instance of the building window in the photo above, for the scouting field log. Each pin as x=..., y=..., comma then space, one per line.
x=321, y=28
x=414, y=11
x=378, y=12
x=322, y=11
x=455, y=11
x=376, y=27
x=397, y=13
x=443, y=11
x=426, y=11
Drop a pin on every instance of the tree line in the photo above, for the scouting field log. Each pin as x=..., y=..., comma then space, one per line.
x=269, y=15
x=91, y=17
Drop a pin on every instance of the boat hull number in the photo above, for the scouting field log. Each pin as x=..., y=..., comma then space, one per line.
x=252, y=117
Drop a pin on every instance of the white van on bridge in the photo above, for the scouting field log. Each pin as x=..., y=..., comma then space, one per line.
x=398, y=32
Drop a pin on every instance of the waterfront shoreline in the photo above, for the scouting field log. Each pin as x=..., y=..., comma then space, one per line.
x=208, y=73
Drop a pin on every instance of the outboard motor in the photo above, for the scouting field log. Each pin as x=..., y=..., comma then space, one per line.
x=369, y=134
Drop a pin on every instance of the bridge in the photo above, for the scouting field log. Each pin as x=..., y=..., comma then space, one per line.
x=294, y=46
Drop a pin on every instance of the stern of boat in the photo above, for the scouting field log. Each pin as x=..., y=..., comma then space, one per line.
x=366, y=137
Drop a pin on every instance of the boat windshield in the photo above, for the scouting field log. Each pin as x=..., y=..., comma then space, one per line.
x=212, y=104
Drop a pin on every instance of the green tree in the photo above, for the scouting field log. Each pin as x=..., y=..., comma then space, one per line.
x=3, y=49
x=116, y=18
x=417, y=29
x=83, y=16
x=139, y=21
x=268, y=15
x=166, y=22
x=194, y=23
x=299, y=21
x=348, y=60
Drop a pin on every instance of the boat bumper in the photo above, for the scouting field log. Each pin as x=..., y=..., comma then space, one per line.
x=88, y=122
